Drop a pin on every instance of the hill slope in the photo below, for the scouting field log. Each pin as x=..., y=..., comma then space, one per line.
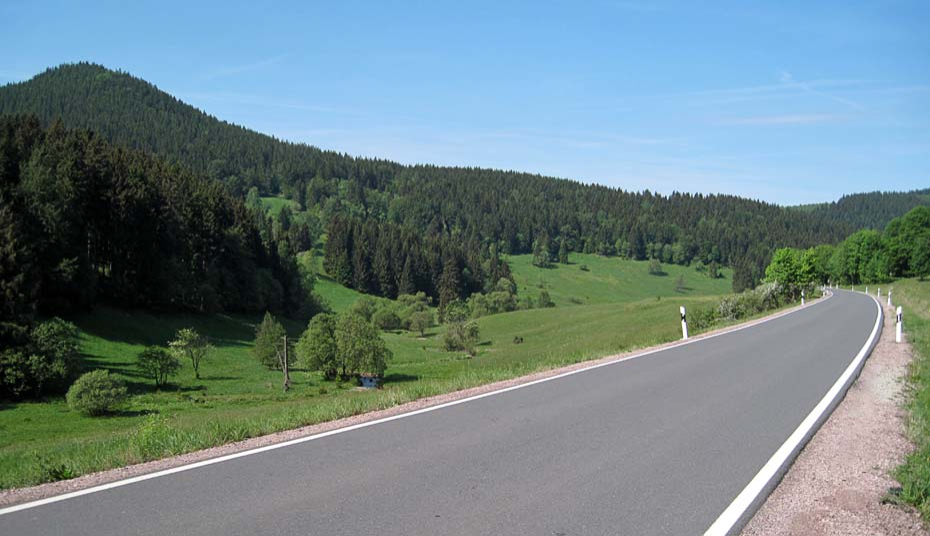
x=871, y=210
x=514, y=210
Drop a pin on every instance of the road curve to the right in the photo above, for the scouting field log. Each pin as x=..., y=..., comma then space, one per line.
x=660, y=444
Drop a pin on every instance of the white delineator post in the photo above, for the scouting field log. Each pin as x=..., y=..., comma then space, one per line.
x=802, y=297
x=866, y=289
x=898, y=326
x=889, y=297
x=684, y=323
x=879, y=293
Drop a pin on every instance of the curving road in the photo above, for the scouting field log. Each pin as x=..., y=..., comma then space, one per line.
x=659, y=444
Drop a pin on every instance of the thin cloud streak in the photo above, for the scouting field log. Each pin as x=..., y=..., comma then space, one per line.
x=798, y=119
x=789, y=80
x=224, y=72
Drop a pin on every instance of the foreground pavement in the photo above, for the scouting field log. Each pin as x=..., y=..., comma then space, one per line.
x=659, y=444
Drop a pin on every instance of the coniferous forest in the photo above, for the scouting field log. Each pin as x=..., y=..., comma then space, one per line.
x=84, y=222
x=518, y=212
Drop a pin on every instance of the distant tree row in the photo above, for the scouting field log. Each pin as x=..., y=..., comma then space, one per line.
x=872, y=210
x=867, y=256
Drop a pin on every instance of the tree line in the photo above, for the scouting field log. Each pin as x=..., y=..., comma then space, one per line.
x=867, y=256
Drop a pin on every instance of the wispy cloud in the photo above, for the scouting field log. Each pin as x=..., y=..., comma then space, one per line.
x=222, y=72
x=795, y=119
x=787, y=79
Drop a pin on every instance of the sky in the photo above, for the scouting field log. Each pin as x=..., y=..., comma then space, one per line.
x=788, y=102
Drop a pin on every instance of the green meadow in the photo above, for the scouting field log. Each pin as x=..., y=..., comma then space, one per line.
x=624, y=308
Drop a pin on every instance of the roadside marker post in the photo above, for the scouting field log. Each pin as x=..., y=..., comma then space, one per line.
x=866, y=289
x=879, y=294
x=802, y=297
x=889, y=297
x=898, y=326
x=684, y=323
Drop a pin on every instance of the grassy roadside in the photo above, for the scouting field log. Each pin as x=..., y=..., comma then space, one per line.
x=237, y=398
x=914, y=473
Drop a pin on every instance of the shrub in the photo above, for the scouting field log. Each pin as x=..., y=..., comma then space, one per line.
x=158, y=364
x=96, y=393
x=47, y=363
x=421, y=321
x=701, y=318
x=364, y=307
x=544, y=300
x=385, y=319
x=584, y=268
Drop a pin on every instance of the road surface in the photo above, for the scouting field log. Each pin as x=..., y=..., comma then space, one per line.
x=659, y=444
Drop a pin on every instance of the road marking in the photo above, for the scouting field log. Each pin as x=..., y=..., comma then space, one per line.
x=241, y=454
x=734, y=512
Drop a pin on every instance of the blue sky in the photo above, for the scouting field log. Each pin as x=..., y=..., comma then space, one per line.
x=789, y=102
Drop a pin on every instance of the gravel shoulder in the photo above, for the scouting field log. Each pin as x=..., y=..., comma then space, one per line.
x=21, y=495
x=837, y=483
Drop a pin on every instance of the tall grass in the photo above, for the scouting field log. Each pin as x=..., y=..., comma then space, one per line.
x=914, y=473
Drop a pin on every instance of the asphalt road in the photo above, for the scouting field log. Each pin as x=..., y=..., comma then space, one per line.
x=655, y=445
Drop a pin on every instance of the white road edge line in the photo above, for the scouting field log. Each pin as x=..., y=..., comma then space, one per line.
x=734, y=512
x=241, y=454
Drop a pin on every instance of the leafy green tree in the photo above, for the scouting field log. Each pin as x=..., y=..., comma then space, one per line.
x=655, y=267
x=190, y=345
x=268, y=348
x=317, y=349
x=461, y=334
x=360, y=347
x=158, y=364
x=421, y=321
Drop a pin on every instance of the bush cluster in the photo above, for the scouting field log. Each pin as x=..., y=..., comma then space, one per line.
x=96, y=393
x=763, y=298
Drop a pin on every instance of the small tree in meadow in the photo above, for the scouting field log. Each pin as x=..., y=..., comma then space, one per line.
x=461, y=333
x=188, y=344
x=360, y=347
x=316, y=349
x=421, y=321
x=655, y=267
x=158, y=364
x=269, y=338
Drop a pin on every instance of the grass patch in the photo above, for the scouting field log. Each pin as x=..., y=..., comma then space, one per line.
x=237, y=398
x=274, y=205
x=914, y=473
x=611, y=280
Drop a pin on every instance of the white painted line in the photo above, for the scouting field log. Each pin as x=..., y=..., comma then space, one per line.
x=725, y=523
x=228, y=457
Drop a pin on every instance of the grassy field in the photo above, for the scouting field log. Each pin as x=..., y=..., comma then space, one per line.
x=611, y=280
x=275, y=204
x=914, y=297
x=237, y=398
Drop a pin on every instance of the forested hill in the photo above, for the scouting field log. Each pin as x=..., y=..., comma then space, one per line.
x=518, y=212
x=871, y=210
